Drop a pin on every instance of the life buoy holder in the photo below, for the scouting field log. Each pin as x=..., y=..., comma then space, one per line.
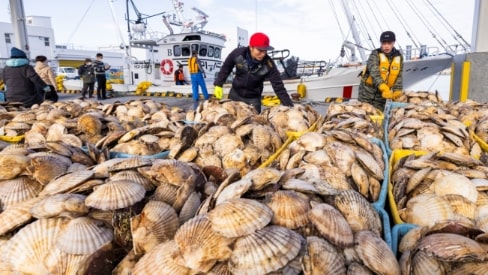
x=167, y=66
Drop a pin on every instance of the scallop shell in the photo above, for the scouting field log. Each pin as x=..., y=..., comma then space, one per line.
x=59, y=262
x=289, y=209
x=322, y=258
x=89, y=124
x=426, y=210
x=265, y=250
x=171, y=171
x=28, y=247
x=72, y=140
x=166, y=192
x=46, y=168
x=164, y=259
x=358, y=269
x=410, y=239
x=66, y=182
x=221, y=268
x=311, y=141
x=16, y=215
x=190, y=207
x=63, y=205
x=157, y=223
x=234, y=190
x=129, y=163
x=55, y=132
x=260, y=177
x=17, y=190
x=239, y=217
x=134, y=176
x=422, y=263
x=34, y=139
x=451, y=248
x=375, y=253
x=470, y=268
x=12, y=166
x=453, y=183
x=359, y=213
x=369, y=163
x=200, y=246
x=226, y=144
x=331, y=225
x=26, y=117
x=115, y=195
x=461, y=205
x=83, y=236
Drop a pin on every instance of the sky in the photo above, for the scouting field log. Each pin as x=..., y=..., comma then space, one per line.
x=310, y=30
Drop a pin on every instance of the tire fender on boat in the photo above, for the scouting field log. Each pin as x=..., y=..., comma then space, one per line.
x=167, y=66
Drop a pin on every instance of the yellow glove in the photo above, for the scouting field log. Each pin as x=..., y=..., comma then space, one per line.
x=385, y=91
x=218, y=92
x=396, y=95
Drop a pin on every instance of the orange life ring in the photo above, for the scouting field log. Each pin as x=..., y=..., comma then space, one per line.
x=167, y=66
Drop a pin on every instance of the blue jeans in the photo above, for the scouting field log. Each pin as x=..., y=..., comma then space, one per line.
x=197, y=80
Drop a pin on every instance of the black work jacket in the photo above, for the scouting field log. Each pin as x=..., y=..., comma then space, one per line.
x=249, y=78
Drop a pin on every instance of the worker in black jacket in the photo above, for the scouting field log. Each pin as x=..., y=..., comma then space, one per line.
x=253, y=65
x=22, y=82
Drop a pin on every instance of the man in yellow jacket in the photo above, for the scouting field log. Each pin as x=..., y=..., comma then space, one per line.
x=196, y=75
x=382, y=78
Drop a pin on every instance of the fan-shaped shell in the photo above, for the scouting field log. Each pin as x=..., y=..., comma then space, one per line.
x=331, y=225
x=12, y=165
x=426, y=210
x=129, y=163
x=453, y=183
x=83, y=236
x=311, y=141
x=28, y=247
x=17, y=190
x=134, y=176
x=55, y=132
x=166, y=192
x=47, y=167
x=66, y=182
x=226, y=144
x=375, y=253
x=461, y=205
x=359, y=213
x=64, y=205
x=322, y=258
x=289, y=209
x=451, y=247
x=26, y=117
x=265, y=250
x=239, y=217
x=34, y=139
x=262, y=176
x=172, y=171
x=89, y=124
x=200, y=246
x=16, y=215
x=425, y=264
x=157, y=223
x=164, y=259
x=115, y=195
x=190, y=208
x=471, y=268
x=234, y=190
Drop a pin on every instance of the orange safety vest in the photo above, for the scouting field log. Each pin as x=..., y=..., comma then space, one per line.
x=193, y=66
x=389, y=71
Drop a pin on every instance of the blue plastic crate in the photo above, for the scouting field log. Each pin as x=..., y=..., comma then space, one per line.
x=385, y=220
x=2, y=96
x=384, y=185
x=397, y=233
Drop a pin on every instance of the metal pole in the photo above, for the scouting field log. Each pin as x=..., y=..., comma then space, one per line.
x=354, y=30
x=19, y=26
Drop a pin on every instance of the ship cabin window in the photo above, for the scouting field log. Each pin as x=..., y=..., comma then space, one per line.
x=185, y=50
x=7, y=38
x=217, y=52
x=46, y=41
x=203, y=50
x=192, y=38
x=176, y=50
x=210, y=51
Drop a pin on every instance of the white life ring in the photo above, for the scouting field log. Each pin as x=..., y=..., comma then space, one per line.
x=167, y=66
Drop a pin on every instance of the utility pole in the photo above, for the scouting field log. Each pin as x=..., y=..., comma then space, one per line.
x=19, y=26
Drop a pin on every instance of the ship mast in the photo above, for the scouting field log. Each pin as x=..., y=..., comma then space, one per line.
x=19, y=26
x=355, y=34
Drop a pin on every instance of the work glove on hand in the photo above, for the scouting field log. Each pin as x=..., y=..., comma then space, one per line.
x=385, y=91
x=218, y=92
x=397, y=94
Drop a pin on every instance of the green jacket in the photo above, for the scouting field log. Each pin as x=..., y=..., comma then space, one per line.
x=373, y=70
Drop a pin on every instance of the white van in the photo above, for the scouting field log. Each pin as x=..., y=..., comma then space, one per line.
x=68, y=72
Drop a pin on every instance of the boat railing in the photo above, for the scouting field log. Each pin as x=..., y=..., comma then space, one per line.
x=309, y=68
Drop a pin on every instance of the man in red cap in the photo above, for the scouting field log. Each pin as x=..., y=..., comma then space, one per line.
x=382, y=77
x=253, y=65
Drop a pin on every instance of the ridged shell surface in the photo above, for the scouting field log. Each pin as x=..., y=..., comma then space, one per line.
x=115, y=195
x=375, y=253
x=17, y=190
x=239, y=217
x=65, y=205
x=83, y=236
x=331, y=224
x=322, y=258
x=289, y=209
x=164, y=259
x=265, y=250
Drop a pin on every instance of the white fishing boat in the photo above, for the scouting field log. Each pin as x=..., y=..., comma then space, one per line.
x=322, y=80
